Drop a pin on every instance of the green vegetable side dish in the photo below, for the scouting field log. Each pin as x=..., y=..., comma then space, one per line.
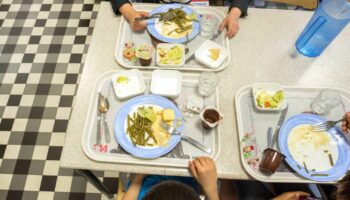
x=139, y=127
x=180, y=18
x=267, y=100
x=170, y=56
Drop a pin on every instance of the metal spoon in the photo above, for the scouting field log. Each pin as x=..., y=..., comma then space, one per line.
x=103, y=107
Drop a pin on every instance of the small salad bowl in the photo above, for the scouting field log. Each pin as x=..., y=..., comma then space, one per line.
x=170, y=55
x=268, y=96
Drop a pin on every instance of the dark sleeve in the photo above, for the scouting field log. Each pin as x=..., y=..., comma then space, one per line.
x=242, y=5
x=116, y=4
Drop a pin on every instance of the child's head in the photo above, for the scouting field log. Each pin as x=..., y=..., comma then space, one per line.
x=171, y=190
x=343, y=191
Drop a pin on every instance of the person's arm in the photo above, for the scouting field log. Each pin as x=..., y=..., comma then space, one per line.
x=242, y=5
x=125, y=8
x=116, y=4
x=133, y=192
x=346, y=123
x=237, y=9
x=203, y=170
x=292, y=196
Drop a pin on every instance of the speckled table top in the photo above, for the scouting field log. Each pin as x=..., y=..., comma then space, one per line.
x=263, y=51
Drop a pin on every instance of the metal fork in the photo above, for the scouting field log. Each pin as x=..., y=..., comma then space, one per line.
x=324, y=126
x=165, y=17
x=171, y=130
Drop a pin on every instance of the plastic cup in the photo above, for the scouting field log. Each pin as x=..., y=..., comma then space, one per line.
x=210, y=117
x=325, y=101
x=209, y=25
x=207, y=83
x=271, y=160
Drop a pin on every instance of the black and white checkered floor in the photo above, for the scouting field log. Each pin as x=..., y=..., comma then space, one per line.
x=43, y=44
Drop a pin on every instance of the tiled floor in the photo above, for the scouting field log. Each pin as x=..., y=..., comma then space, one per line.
x=43, y=44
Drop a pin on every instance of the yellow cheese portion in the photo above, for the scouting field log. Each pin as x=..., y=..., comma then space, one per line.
x=214, y=53
x=168, y=115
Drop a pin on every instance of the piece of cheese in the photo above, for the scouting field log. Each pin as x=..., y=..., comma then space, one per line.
x=168, y=115
x=214, y=53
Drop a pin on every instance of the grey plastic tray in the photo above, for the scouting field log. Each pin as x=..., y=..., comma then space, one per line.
x=126, y=34
x=182, y=153
x=253, y=125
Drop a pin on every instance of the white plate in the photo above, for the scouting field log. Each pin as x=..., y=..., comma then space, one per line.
x=202, y=55
x=166, y=83
x=130, y=83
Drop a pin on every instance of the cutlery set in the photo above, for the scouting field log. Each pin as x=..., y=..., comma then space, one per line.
x=102, y=126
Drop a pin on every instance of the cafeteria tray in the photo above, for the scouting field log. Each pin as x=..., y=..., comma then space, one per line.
x=178, y=157
x=126, y=34
x=253, y=125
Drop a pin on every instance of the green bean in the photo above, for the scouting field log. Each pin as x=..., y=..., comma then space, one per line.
x=139, y=129
x=319, y=174
x=179, y=18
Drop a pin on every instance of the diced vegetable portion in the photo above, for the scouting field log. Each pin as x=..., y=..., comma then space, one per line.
x=269, y=100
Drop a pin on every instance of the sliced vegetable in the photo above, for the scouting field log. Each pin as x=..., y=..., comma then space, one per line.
x=267, y=100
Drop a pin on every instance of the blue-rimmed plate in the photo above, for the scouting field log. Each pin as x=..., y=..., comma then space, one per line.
x=322, y=156
x=129, y=108
x=154, y=26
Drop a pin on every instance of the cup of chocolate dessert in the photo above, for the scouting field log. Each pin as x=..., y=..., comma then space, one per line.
x=144, y=54
x=271, y=160
x=210, y=117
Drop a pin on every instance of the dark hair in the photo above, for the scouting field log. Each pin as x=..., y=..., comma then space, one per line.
x=343, y=191
x=171, y=190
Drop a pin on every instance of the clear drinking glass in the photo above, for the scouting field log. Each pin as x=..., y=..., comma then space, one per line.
x=208, y=25
x=207, y=83
x=325, y=101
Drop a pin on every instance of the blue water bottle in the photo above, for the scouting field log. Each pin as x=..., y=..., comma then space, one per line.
x=326, y=23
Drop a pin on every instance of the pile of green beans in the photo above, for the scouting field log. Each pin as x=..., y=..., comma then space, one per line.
x=180, y=18
x=140, y=131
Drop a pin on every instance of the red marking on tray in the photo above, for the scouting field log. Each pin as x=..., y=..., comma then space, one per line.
x=102, y=148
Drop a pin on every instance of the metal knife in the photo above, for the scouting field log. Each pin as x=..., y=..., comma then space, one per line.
x=196, y=143
x=98, y=136
x=279, y=124
x=269, y=138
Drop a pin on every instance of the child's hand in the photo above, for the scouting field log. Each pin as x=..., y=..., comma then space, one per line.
x=204, y=171
x=346, y=123
x=292, y=196
x=136, y=25
x=231, y=22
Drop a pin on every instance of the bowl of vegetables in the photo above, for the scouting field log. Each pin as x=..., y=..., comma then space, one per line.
x=170, y=55
x=268, y=96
